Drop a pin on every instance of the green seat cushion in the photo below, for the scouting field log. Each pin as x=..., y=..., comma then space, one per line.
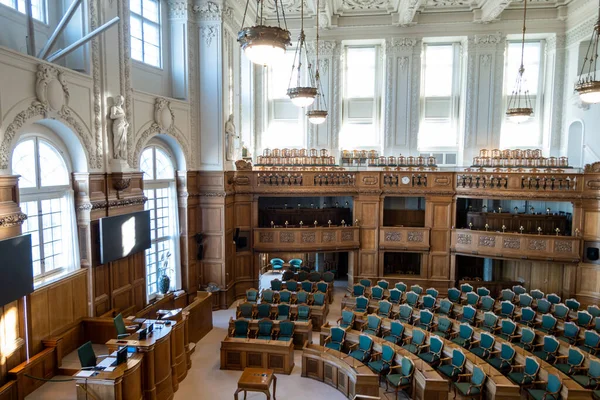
x=282, y=317
x=392, y=339
x=284, y=338
x=411, y=347
x=429, y=357
x=519, y=378
x=448, y=370
x=344, y=325
x=538, y=394
x=565, y=368
x=441, y=334
x=463, y=388
x=397, y=380
x=566, y=339
x=460, y=341
x=264, y=337
x=379, y=366
x=480, y=352
x=334, y=346
x=544, y=356
x=523, y=345
x=359, y=355
x=240, y=336
x=583, y=380
x=498, y=363
x=488, y=329
x=370, y=332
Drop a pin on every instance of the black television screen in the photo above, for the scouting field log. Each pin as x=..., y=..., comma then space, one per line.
x=16, y=266
x=123, y=235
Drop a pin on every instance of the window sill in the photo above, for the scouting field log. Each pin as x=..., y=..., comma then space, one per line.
x=48, y=280
x=147, y=67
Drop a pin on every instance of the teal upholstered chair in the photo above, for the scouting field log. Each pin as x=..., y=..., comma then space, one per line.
x=487, y=303
x=503, y=359
x=597, y=324
x=401, y=286
x=591, y=342
x=87, y=357
x=594, y=310
x=395, y=296
x=322, y=287
x=570, y=333
x=507, y=309
x=590, y=378
x=571, y=363
x=432, y=292
x=443, y=328
x=319, y=299
x=527, y=316
x=445, y=307
x=573, y=304
x=412, y=299
x=384, y=309
x=277, y=264
x=452, y=367
x=485, y=345
x=551, y=392
x=454, y=295
x=395, y=333
x=328, y=277
x=472, y=299
x=241, y=329
x=295, y=263
x=543, y=306
x=383, y=284
x=276, y=285
x=283, y=312
x=405, y=313
x=372, y=325
x=483, y=291
x=263, y=310
x=288, y=275
x=268, y=296
x=508, y=330
x=537, y=294
x=584, y=319
x=303, y=313
x=468, y=315
x=292, y=285
x=474, y=388
x=336, y=338
x=561, y=312
x=416, y=342
x=366, y=282
x=464, y=338
x=347, y=319
x=490, y=322
x=252, y=295
x=417, y=289
x=314, y=276
x=525, y=375
x=548, y=324
x=245, y=310
x=525, y=300
x=307, y=286
x=507, y=295
x=527, y=338
x=303, y=297
x=434, y=353
x=361, y=350
x=302, y=276
x=285, y=296
x=425, y=320
x=265, y=329
x=549, y=348
x=377, y=293
x=400, y=376
x=428, y=303
x=466, y=288
x=519, y=290
x=381, y=362
x=553, y=298
x=120, y=327
x=358, y=290
x=286, y=331
x=362, y=304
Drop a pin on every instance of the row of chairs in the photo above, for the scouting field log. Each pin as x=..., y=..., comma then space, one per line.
x=281, y=313
x=270, y=297
x=277, y=263
x=241, y=330
x=306, y=285
x=312, y=276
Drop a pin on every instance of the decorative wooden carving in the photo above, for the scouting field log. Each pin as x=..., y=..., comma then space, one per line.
x=537, y=244
x=308, y=237
x=415, y=237
x=347, y=236
x=266, y=237
x=329, y=237
x=393, y=236
x=463, y=238
x=286, y=237
x=487, y=241
x=563, y=246
x=511, y=243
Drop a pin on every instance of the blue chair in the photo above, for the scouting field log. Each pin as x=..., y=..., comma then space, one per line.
x=490, y=322
x=432, y=292
x=366, y=282
x=303, y=313
x=377, y=293
x=553, y=298
x=405, y=313
x=456, y=365
x=263, y=310
x=584, y=319
x=487, y=303
x=445, y=307
x=527, y=375
x=594, y=310
x=454, y=295
x=276, y=264
x=265, y=329
x=591, y=342
x=241, y=329
x=283, y=312
x=434, y=355
x=307, y=286
x=519, y=290
x=286, y=331
x=551, y=392
x=561, y=312
x=401, y=286
x=412, y=299
x=381, y=362
x=537, y=294
x=548, y=324
x=252, y=295
x=372, y=325
x=395, y=296
x=358, y=290
x=285, y=296
x=483, y=291
x=591, y=379
x=574, y=361
x=429, y=303
x=527, y=338
x=466, y=288
x=362, y=304
x=291, y=285
x=362, y=349
x=319, y=299
x=268, y=296
x=508, y=330
x=570, y=333
x=464, y=337
x=302, y=276
x=303, y=297
x=507, y=295
x=295, y=263
x=276, y=285
x=472, y=299
x=395, y=333
x=573, y=304
x=503, y=359
x=527, y=316
x=322, y=287
x=485, y=345
x=336, y=338
x=383, y=284
x=543, y=306
x=443, y=328
x=347, y=319
x=525, y=300
x=507, y=309
x=417, y=289
x=401, y=380
x=468, y=315
x=474, y=388
x=425, y=320
x=328, y=277
x=384, y=309
x=314, y=276
x=416, y=342
x=549, y=349
x=245, y=310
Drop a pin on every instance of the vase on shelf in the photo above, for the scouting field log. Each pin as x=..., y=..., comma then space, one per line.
x=164, y=284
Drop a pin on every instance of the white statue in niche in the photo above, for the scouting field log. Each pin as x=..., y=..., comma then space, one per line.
x=119, y=128
x=231, y=138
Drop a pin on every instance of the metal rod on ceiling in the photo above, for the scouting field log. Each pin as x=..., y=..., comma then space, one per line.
x=83, y=40
x=59, y=29
x=30, y=29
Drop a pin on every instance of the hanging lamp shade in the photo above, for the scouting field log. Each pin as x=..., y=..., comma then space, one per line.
x=588, y=85
x=301, y=96
x=317, y=117
x=318, y=114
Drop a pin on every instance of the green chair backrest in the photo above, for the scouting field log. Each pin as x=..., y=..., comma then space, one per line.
x=283, y=309
x=246, y=310
x=407, y=367
x=307, y=286
x=277, y=261
x=285, y=296
x=303, y=311
x=594, y=310
x=432, y=292
x=490, y=319
x=458, y=359
x=373, y=322
x=572, y=304
x=507, y=295
x=537, y=294
x=584, y=318
x=554, y=384
x=86, y=354
x=561, y=311
x=454, y=294
x=478, y=377
x=328, y=276
x=444, y=324
x=240, y=327
x=383, y=284
x=591, y=339
x=418, y=337
x=466, y=288
x=426, y=317
x=265, y=327
x=292, y=285
x=553, y=298
x=417, y=289
x=337, y=335
x=518, y=289
x=286, y=328
x=387, y=353
x=543, y=306
x=571, y=330
x=487, y=303
x=508, y=327
x=465, y=331
x=276, y=284
x=483, y=291
x=525, y=300
x=348, y=317
x=263, y=310
x=487, y=341
x=396, y=328
x=412, y=298
x=527, y=336
x=436, y=345
x=358, y=290
x=507, y=308
x=472, y=298
x=551, y=345
x=318, y=299
x=365, y=343
x=531, y=368
x=314, y=276
x=362, y=303
x=385, y=307
x=445, y=306
x=296, y=262
x=469, y=312
x=594, y=369
x=575, y=357
x=527, y=314
x=252, y=295
x=302, y=297
x=302, y=276
x=548, y=322
x=405, y=311
x=507, y=352
x=366, y=282
x=428, y=301
x=322, y=286
x=401, y=286
x=377, y=292
x=120, y=325
x=395, y=295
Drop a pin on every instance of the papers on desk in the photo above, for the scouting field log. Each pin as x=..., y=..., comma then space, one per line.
x=107, y=362
x=85, y=374
x=109, y=369
x=114, y=354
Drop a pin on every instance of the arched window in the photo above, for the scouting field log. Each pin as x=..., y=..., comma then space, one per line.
x=47, y=199
x=160, y=188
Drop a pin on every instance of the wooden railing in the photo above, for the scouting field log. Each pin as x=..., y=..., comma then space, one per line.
x=401, y=238
x=306, y=239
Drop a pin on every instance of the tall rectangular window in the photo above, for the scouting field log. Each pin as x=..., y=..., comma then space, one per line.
x=38, y=8
x=440, y=97
x=361, y=108
x=528, y=133
x=145, y=31
x=158, y=204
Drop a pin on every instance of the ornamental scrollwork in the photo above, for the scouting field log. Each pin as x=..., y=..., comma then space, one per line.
x=563, y=246
x=511, y=243
x=393, y=236
x=487, y=241
x=537, y=244
x=347, y=236
x=328, y=237
x=266, y=237
x=286, y=237
x=463, y=238
x=308, y=237
x=415, y=237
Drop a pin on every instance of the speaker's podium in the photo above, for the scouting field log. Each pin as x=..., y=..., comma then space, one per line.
x=122, y=383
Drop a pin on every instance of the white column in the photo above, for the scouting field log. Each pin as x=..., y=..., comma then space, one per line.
x=553, y=94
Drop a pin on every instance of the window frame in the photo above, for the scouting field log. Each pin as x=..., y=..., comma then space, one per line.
x=159, y=27
x=43, y=6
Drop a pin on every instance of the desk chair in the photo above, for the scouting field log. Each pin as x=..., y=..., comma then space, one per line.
x=286, y=331
x=443, y=328
x=446, y=307
x=434, y=355
x=503, y=359
x=372, y=325
x=347, y=319
x=452, y=367
x=570, y=333
x=525, y=375
x=465, y=336
x=120, y=327
x=549, y=349
x=381, y=362
x=486, y=345
x=589, y=377
x=551, y=392
x=395, y=333
x=527, y=339
x=474, y=388
x=86, y=354
x=241, y=329
x=335, y=340
x=574, y=361
x=416, y=342
x=362, y=350
x=454, y=295
x=401, y=380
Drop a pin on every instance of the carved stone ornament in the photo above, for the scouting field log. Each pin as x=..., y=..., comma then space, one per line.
x=563, y=246
x=347, y=236
x=393, y=236
x=511, y=243
x=537, y=244
x=8, y=221
x=308, y=237
x=286, y=237
x=415, y=237
x=487, y=241
x=463, y=238
x=328, y=237
x=121, y=184
x=163, y=114
x=51, y=88
x=266, y=237
x=243, y=165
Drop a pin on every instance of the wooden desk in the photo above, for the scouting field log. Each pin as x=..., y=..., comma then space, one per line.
x=160, y=371
x=238, y=354
x=257, y=380
x=124, y=383
x=302, y=330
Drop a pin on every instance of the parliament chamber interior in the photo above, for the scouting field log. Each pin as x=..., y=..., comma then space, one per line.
x=350, y=199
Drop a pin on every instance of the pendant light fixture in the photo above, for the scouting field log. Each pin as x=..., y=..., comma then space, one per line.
x=301, y=96
x=519, y=102
x=263, y=44
x=588, y=85
x=318, y=114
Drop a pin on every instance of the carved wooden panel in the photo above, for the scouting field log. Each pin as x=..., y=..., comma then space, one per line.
x=306, y=239
x=404, y=238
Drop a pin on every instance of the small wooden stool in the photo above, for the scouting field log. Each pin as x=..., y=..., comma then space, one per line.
x=256, y=380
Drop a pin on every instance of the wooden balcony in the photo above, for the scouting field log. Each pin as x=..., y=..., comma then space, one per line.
x=516, y=246
x=307, y=239
x=404, y=238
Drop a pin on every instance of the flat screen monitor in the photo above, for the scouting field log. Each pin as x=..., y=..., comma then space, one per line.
x=16, y=266
x=124, y=235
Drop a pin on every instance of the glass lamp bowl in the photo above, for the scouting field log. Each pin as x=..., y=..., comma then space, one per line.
x=317, y=116
x=302, y=96
x=589, y=92
x=264, y=45
x=519, y=115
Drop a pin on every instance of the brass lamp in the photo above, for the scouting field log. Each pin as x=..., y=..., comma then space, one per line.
x=588, y=85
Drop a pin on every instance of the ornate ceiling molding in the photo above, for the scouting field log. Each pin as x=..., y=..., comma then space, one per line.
x=178, y=9
x=408, y=10
x=491, y=10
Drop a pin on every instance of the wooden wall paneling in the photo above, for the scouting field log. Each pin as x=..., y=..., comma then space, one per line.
x=438, y=216
x=367, y=210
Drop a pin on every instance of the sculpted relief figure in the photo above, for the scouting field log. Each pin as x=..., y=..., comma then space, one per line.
x=119, y=129
x=231, y=137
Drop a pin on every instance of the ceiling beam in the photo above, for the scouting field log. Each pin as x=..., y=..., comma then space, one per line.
x=491, y=10
x=407, y=10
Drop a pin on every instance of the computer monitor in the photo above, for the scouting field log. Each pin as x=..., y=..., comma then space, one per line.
x=122, y=355
x=150, y=328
